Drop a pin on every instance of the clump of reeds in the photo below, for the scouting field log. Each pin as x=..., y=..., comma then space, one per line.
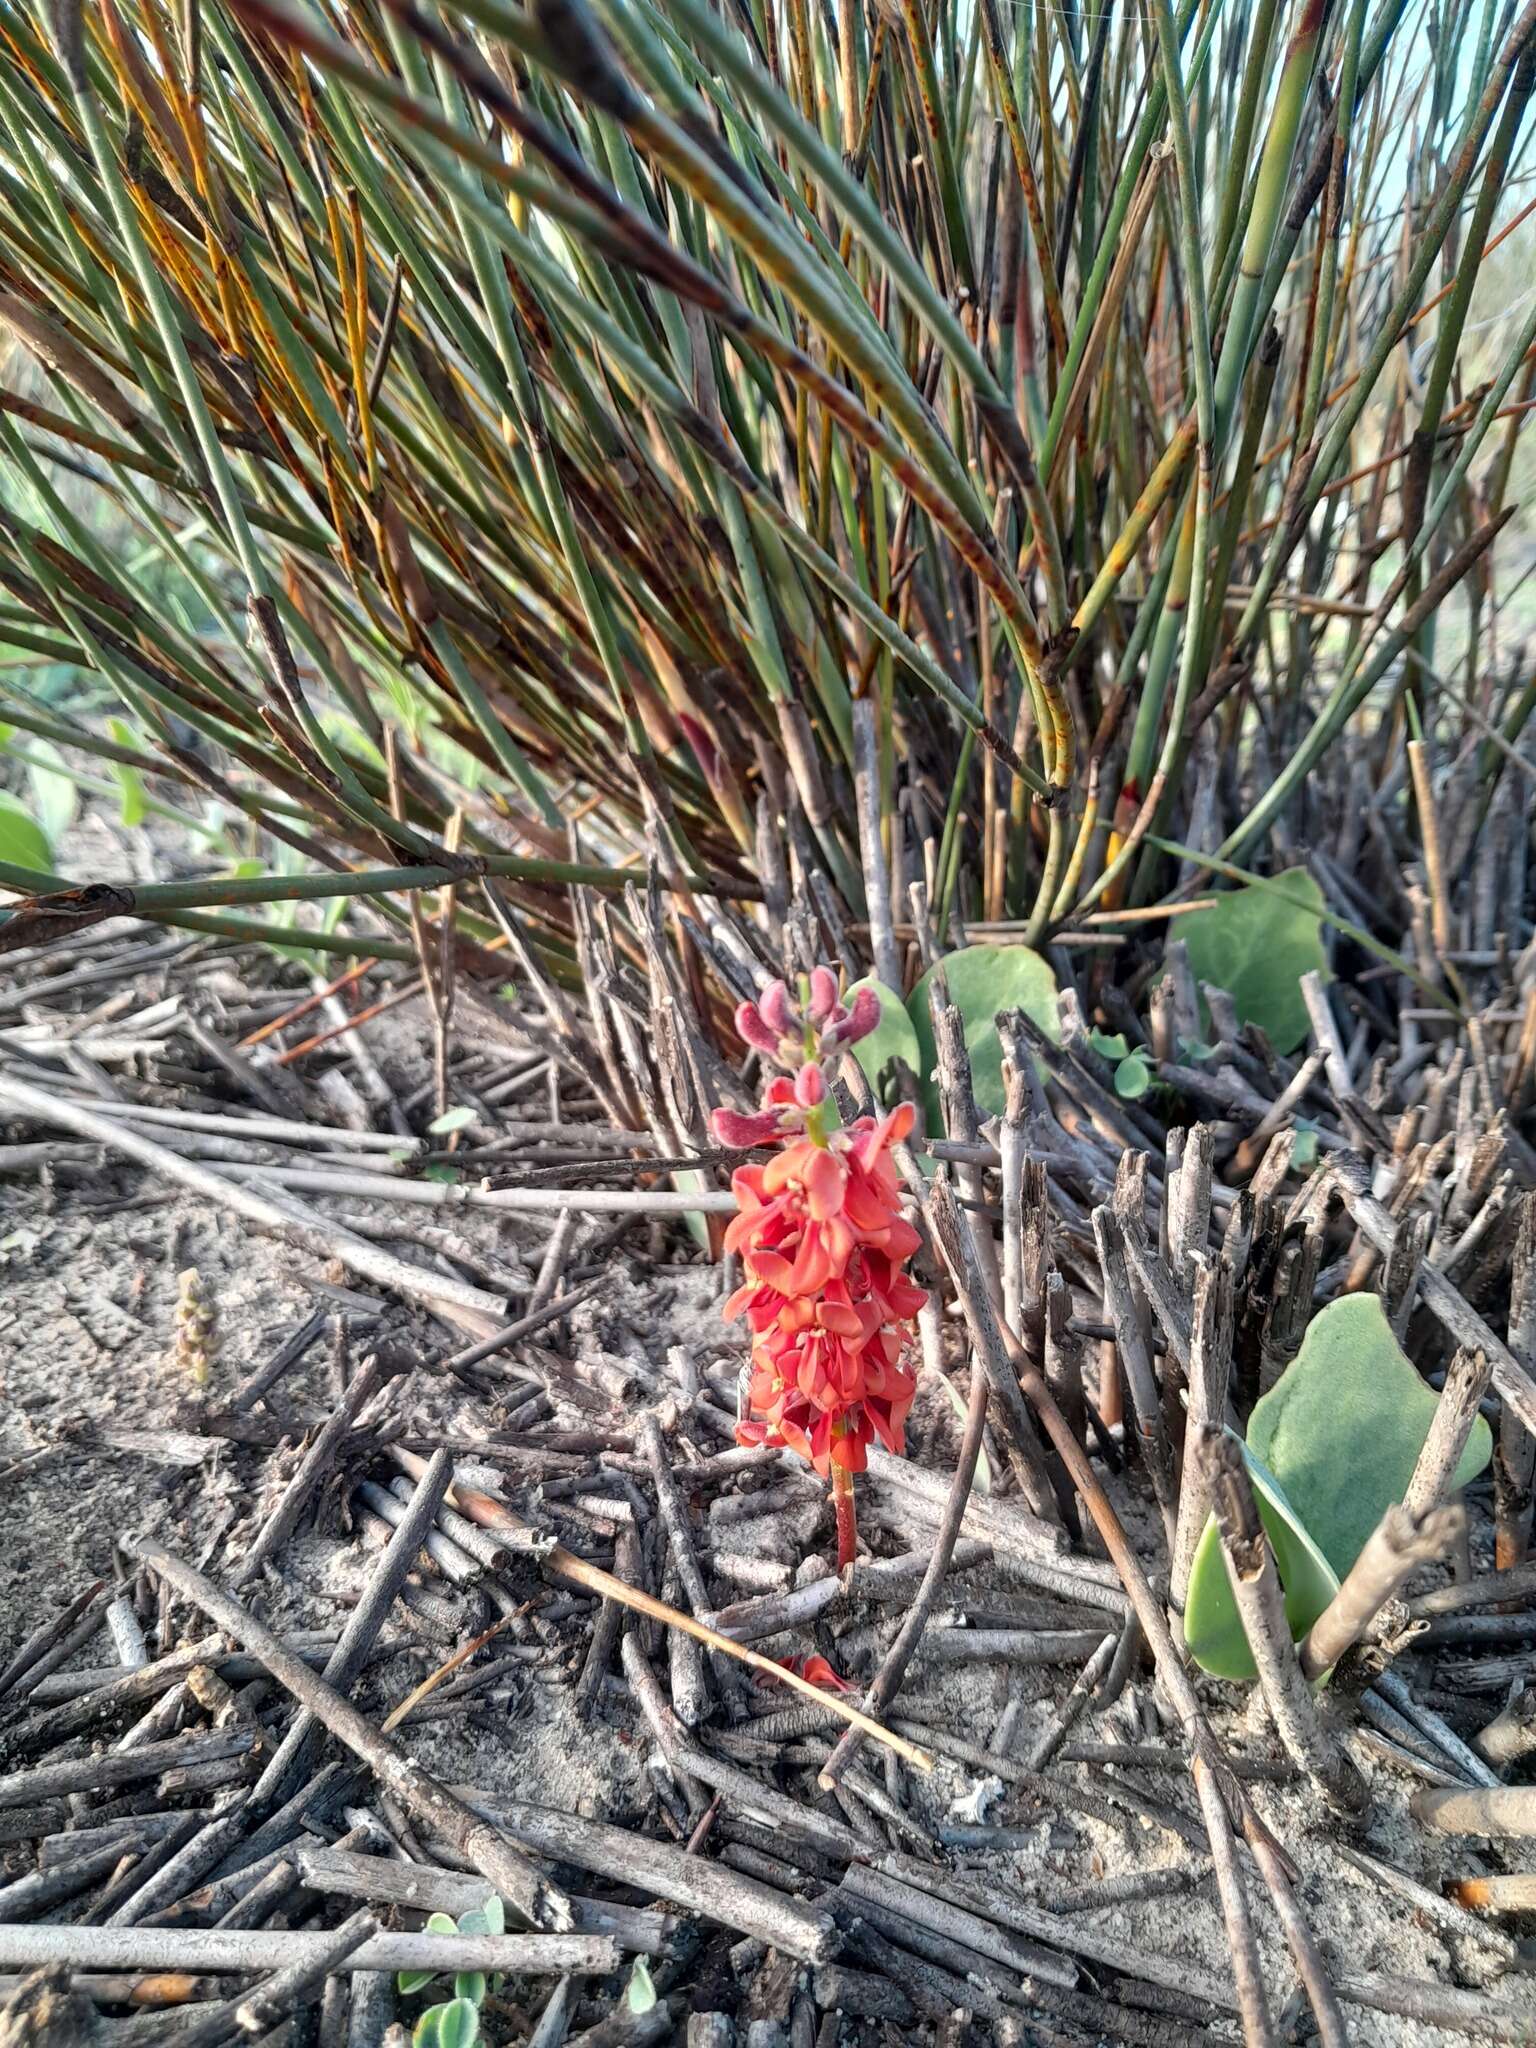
x=602, y=421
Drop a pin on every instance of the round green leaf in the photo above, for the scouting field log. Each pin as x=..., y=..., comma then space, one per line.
x=892, y=1038
x=425, y=2033
x=495, y=1913
x=1213, y=1628
x=983, y=980
x=1257, y=944
x=408, y=1981
x=23, y=843
x=458, y=2024
x=470, y=1984
x=474, y=1922
x=1342, y=1427
x=1133, y=1077
x=441, y=1923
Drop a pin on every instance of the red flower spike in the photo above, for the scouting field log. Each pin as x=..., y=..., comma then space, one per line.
x=822, y=1242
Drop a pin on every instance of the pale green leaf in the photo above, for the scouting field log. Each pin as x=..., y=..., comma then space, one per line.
x=640, y=1992
x=132, y=796
x=55, y=798
x=1133, y=1077
x=1342, y=1427
x=1331, y=1446
x=458, y=2024
x=983, y=980
x=23, y=843
x=1213, y=1628
x=1256, y=944
x=892, y=1038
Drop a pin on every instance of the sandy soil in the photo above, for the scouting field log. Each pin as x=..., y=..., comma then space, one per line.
x=93, y=1442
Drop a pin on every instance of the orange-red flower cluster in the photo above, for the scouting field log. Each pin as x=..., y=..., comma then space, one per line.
x=823, y=1244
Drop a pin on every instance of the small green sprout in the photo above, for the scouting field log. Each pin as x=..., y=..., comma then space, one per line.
x=640, y=1992
x=455, y=2022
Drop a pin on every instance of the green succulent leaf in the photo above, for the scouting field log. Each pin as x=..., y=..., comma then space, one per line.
x=425, y=2033
x=441, y=1923
x=1330, y=1447
x=983, y=980
x=410, y=1981
x=470, y=1984
x=1343, y=1426
x=1110, y=1045
x=495, y=1913
x=474, y=1922
x=892, y=1038
x=458, y=2024
x=1133, y=1077
x=451, y=1120
x=1213, y=1628
x=23, y=842
x=1257, y=944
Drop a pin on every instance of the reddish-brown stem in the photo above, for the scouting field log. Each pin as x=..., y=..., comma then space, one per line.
x=847, y=1530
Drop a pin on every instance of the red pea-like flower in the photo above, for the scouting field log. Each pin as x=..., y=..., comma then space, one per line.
x=823, y=1246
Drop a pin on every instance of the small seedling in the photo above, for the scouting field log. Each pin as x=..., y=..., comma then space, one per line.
x=455, y=2022
x=1133, y=1076
x=640, y=1992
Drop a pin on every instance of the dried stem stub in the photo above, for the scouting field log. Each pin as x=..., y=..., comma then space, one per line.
x=193, y=1330
x=1261, y=1604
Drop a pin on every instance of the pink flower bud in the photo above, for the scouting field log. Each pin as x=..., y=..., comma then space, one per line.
x=749, y=1022
x=823, y=994
x=773, y=1008
x=732, y=1128
x=810, y=1087
x=861, y=1019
